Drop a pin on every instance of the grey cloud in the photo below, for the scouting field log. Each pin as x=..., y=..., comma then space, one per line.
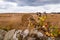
x=34, y=2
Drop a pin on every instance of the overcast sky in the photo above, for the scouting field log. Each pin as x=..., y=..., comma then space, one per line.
x=29, y=5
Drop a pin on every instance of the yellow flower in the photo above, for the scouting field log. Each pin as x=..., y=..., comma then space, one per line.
x=59, y=32
x=52, y=35
x=47, y=34
x=43, y=18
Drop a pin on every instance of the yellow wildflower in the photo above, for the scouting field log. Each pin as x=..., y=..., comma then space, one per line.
x=47, y=34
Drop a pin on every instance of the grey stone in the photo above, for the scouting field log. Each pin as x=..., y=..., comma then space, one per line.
x=9, y=35
x=39, y=34
x=2, y=34
x=17, y=35
x=25, y=33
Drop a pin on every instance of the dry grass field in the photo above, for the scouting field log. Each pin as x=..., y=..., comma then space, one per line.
x=20, y=20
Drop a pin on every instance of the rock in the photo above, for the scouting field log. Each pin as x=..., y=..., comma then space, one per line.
x=30, y=38
x=39, y=34
x=25, y=33
x=17, y=35
x=2, y=34
x=9, y=35
x=49, y=38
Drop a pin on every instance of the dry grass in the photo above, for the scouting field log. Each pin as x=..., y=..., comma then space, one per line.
x=20, y=21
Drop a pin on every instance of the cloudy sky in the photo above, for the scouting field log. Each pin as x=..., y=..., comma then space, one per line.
x=29, y=5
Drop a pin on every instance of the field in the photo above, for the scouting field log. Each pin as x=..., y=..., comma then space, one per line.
x=20, y=20
x=33, y=25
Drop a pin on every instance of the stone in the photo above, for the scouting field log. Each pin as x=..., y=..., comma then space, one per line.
x=25, y=33
x=2, y=34
x=40, y=34
x=17, y=35
x=9, y=35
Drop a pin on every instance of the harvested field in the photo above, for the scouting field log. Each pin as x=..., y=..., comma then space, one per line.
x=20, y=20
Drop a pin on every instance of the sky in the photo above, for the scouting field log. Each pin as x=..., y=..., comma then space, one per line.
x=29, y=6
